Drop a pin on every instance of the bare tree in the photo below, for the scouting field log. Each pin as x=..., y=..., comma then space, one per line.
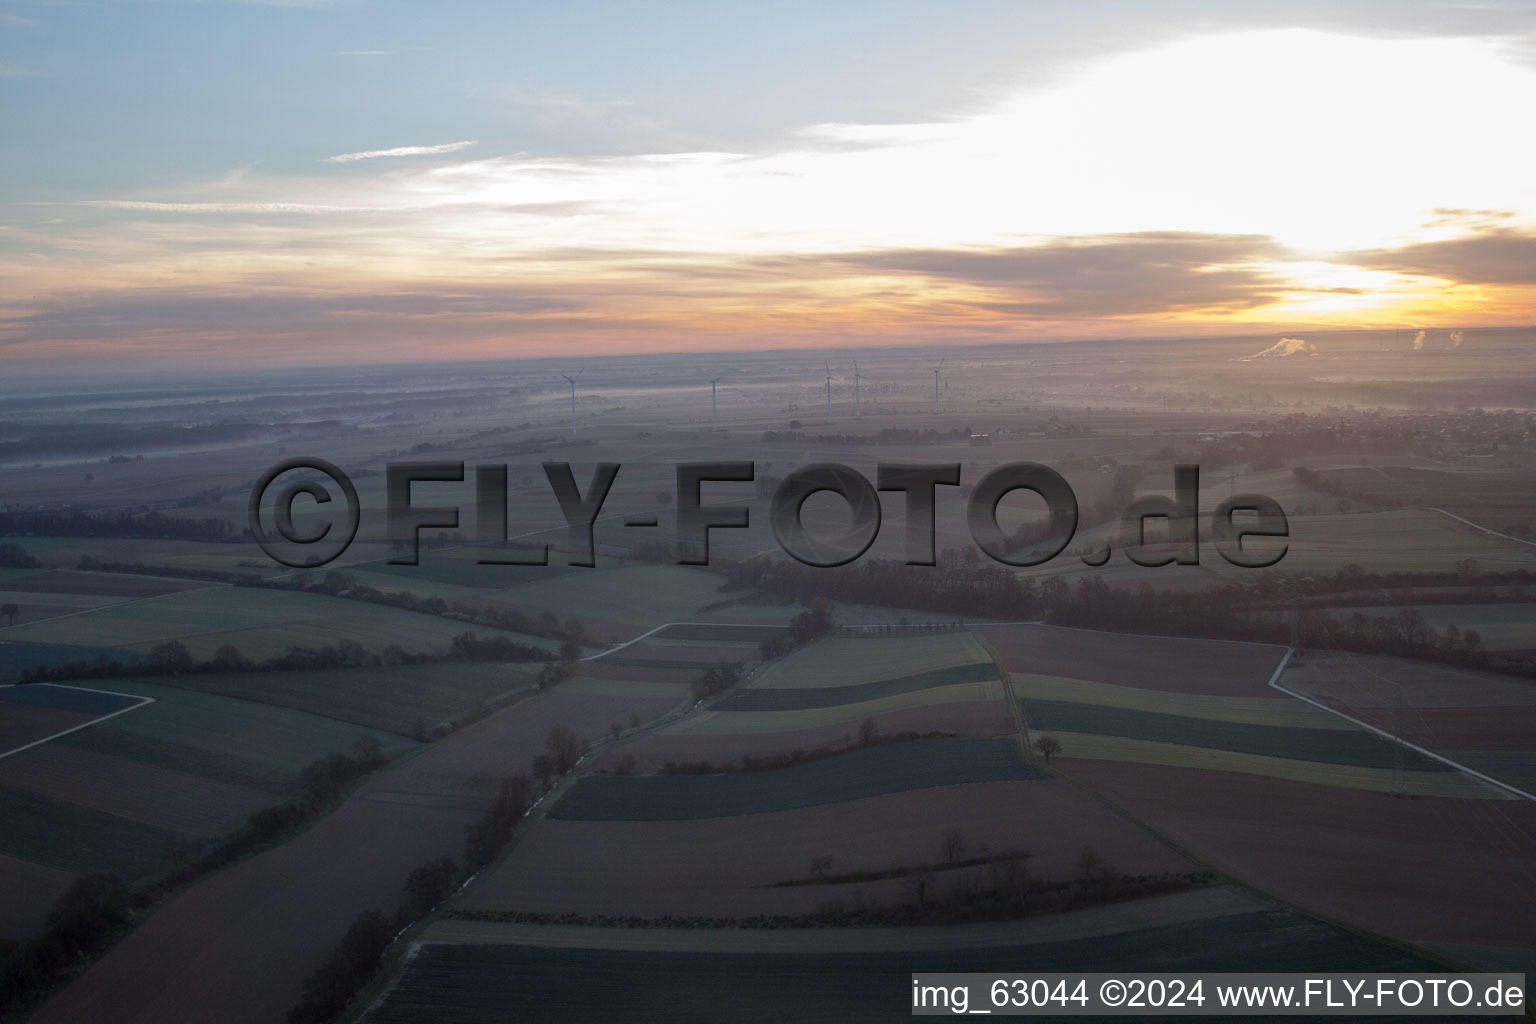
x=952, y=845
x=921, y=882
x=1049, y=746
x=1091, y=867
x=821, y=865
x=10, y=611
x=565, y=748
x=543, y=769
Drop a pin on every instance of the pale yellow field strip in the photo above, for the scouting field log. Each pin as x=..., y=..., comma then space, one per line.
x=718, y=723
x=1376, y=780
x=1133, y=915
x=1249, y=710
x=847, y=661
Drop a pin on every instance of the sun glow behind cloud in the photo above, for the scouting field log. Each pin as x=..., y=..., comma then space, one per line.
x=1215, y=181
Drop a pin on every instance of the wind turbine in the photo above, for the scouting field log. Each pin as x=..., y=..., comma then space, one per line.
x=573, y=393
x=829, y=389
x=714, y=418
x=936, y=370
x=857, y=412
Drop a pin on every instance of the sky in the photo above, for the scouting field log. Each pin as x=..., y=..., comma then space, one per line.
x=212, y=183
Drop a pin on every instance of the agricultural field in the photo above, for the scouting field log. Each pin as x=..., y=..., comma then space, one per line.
x=1167, y=664
x=31, y=714
x=1482, y=720
x=155, y=772
x=739, y=841
x=406, y=700
x=1323, y=814
x=1399, y=540
x=887, y=768
x=357, y=856
x=785, y=698
x=468, y=972
x=618, y=596
x=767, y=862
x=822, y=694
x=1489, y=498
x=224, y=738
x=46, y=594
x=1422, y=869
x=849, y=661
x=1402, y=540
x=260, y=623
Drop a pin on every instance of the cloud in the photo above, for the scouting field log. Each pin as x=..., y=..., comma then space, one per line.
x=1418, y=341
x=364, y=53
x=1104, y=275
x=278, y=310
x=1283, y=348
x=154, y=207
x=14, y=71
x=373, y=154
x=1457, y=337
x=1492, y=257
x=1042, y=215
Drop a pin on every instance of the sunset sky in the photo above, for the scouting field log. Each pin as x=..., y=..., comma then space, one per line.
x=218, y=183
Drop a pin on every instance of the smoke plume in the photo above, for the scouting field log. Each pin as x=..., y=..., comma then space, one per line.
x=1285, y=347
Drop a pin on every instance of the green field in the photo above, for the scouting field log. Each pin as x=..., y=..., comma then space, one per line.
x=261, y=623
x=44, y=830
x=401, y=699
x=889, y=768
x=1323, y=746
x=451, y=983
x=1516, y=767
x=807, y=698
x=238, y=741
x=741, y=723
x=639, y=594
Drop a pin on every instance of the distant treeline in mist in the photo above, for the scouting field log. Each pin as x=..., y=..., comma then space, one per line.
x=963, y=584
x=86, y=438
x=135, y=523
